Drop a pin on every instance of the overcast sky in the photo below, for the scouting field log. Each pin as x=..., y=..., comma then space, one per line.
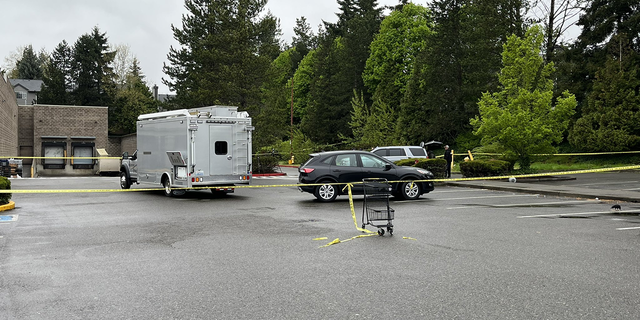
x=143, y=25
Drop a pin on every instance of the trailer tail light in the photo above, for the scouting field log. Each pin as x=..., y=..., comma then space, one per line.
x=197, y=179
x=306, y=170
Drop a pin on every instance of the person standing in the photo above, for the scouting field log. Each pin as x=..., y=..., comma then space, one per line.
x=449, y=159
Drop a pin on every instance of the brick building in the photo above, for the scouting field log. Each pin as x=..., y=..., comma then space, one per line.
x=8, y=120
x=62, y=131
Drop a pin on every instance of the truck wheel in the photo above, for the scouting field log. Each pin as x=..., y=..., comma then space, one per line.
x=124, y=181
x=167, y=188
x=410, y=190
x=171, y=193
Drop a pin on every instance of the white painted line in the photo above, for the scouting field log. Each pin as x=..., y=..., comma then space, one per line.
x=519, y=204
x=460, y=190
x=564, y=214
x=630, y=228
x=487, y=197
x=632, y=189
x=602, y=183
x=577, y=213
x=541, y=203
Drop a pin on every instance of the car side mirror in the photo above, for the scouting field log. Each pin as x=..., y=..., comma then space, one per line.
x=387, y=167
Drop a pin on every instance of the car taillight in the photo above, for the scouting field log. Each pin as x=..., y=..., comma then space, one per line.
x=306, y=170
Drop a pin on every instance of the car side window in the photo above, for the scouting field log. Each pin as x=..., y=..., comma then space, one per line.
x=329, y=161
x=396, y=152
x=346, y=160
x=418, y=152
x=371, y=162
x=381, y=152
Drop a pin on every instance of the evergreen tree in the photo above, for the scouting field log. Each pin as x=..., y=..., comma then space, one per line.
x=29, y=67
x=461, y=61
x=225, y=50
x=57, y=76
x=606, y=25
x=611, y=115
x=92, y=73
x=339, y=63
x=272, y=121
x=130, y=101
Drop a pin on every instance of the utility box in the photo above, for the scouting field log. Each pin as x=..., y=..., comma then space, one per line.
x=107, y=166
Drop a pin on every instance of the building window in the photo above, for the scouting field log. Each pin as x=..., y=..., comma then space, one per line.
x=21, y=95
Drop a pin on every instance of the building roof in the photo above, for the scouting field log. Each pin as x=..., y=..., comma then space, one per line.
x=30, y=85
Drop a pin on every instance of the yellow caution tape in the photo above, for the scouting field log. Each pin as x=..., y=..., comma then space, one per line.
x=347, y=185
x=60, y=158
x=408, y=238
x=321, y=238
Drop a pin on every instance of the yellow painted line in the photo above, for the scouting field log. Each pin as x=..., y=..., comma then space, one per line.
x=9, y=206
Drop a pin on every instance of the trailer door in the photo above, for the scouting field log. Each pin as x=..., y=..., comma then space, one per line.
x=221, y=153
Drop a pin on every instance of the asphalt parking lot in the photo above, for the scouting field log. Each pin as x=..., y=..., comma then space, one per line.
x=457, y=253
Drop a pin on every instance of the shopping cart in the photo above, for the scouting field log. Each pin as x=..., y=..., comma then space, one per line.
x=376, y=211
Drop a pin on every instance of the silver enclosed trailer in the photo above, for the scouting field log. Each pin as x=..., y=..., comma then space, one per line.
x=207, y=147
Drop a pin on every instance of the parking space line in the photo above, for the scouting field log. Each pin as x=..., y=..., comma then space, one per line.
x=517, y=204
x=629, y=228
x=488, y=197
x=459, y=190
x=572, y=214
x=603, y=183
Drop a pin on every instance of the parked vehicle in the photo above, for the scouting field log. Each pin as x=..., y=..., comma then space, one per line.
x=184, y=149
x=340, y=167
x=400, y=152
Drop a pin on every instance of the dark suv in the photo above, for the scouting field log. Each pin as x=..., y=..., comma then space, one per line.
x=353, y=166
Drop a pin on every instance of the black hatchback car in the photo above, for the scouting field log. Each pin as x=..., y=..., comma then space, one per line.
x=353, y=166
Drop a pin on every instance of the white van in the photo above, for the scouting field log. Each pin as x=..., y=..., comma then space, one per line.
x=396, y=153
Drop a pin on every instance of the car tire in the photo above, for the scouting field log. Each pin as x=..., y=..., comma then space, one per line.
x=125, y=183
x=326, y=192
x=410, y=190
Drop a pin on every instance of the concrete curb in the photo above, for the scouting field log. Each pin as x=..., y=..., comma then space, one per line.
x=9, y=206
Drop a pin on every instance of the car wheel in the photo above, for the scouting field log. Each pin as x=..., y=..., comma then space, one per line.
x=326, y=192
x=124, y=181
x=410, y=190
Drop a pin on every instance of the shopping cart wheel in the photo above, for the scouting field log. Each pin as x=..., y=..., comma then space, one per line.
x=390, y=230
x=363, y=226
x=381, y=232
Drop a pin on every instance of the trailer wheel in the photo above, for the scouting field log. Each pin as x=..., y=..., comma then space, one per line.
x=124, y=181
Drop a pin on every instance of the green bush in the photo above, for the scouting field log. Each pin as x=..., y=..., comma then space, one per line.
x=266, y=163
x=484, y=168
x=5, y=184
x=407, y=162
x=437, y=166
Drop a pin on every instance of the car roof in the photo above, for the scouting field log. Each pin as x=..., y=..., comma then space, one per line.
x=385, y=147
x=328, y=153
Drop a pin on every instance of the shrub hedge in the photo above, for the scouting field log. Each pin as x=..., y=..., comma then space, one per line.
x=5, y=184
x=436, y=166
x=484, y=168
x=266, y=163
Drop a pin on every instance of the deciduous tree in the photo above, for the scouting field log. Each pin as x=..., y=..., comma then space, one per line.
x=522, y=117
